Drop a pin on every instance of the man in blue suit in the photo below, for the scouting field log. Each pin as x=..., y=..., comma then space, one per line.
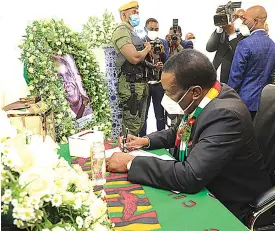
x=254, y=60
x=155, y=88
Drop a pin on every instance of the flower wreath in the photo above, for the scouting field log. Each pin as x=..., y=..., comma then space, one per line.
x=97, y=32
x=45, y=39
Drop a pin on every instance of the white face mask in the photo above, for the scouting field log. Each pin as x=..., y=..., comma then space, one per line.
x=152, y=35
x=237, y=24
x=172, y=107
x=244, y=30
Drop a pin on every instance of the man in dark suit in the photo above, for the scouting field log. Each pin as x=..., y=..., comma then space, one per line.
x=254, y=60
x=223, y=41
x=221, y=151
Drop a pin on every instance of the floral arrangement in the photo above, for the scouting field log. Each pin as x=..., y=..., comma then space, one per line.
x=41, y=190
x=97, y=32
x=47, y=38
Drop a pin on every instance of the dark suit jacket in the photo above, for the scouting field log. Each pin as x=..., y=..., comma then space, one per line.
x=225, y=50
x=265, y=128
x=224, y=157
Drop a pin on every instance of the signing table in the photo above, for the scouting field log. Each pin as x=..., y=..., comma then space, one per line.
x=136, y=207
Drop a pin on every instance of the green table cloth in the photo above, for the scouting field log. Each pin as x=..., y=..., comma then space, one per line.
x=179, y=212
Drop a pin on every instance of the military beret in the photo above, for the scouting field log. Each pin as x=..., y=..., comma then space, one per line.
x=129, y=5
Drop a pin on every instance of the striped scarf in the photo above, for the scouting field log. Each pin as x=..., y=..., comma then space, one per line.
x=184, y=139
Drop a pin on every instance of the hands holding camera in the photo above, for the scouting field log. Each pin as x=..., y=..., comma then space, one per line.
x=229, y=29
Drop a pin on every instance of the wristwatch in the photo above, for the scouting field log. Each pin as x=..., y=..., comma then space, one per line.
x=129, y=165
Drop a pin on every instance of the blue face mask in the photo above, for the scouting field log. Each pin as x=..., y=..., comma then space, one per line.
x=134, y=20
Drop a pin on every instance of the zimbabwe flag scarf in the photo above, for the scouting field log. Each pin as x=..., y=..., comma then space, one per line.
x=184, y=139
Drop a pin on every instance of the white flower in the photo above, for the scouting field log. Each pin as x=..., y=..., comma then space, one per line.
x=5, y=209
x=61, y=185
x=59, y=52
x=47, y=198
x=45, y=230
x=79, y=222
x=58, y=43
x=68, y=198
x=99, y=227
x=77, y=168
x=56, y=200
x=101, y=208
x=78, y=203
x=57, y=228
x=62, y=40
x=26, y=214
x=38, y=181
x=13, y=160
x=8, y=192
x=82, y=182
x=87, y=222
x=14, y=202
x=39, y=214
x=18, y=223
x=6, y=199
x=30, y=70
x=31, y=36
x=30, y=88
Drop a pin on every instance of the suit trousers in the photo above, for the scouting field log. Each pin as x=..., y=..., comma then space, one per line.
x=156, y=94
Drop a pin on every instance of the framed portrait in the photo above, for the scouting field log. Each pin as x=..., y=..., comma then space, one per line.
x=76, y=94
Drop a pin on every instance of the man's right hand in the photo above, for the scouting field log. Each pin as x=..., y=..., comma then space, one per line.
x=229, y=29
x=134, y=142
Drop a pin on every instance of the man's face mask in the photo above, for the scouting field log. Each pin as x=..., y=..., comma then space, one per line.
x=172, y=107
x=152, y=35
x=134, y=20
x=245, y=29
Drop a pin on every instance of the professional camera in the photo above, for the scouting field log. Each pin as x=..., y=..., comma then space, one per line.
x=174, y=36
x=156, y=46
x=224, y=13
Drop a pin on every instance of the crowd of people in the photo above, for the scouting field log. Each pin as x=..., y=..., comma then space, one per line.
x=212, y=132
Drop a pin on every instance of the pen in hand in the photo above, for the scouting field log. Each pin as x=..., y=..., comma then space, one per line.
x=125, y=140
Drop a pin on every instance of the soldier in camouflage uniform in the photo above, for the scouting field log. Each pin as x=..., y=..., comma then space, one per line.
x=132, y=84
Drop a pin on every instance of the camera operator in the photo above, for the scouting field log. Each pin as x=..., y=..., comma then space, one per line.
x=224, y=41
x=175, y=41
x=157, y=57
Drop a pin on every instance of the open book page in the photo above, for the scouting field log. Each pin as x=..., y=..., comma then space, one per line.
x=110, y=152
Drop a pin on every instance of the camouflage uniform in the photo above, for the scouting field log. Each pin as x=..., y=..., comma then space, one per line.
x=123, y=35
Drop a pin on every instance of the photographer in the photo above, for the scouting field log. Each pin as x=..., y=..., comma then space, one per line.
x=175, y=41
x=156, y=57
x=224, y=41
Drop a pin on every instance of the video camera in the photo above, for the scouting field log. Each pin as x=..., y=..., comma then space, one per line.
x=224, y=13
x=156, y=46
x=174, y=36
